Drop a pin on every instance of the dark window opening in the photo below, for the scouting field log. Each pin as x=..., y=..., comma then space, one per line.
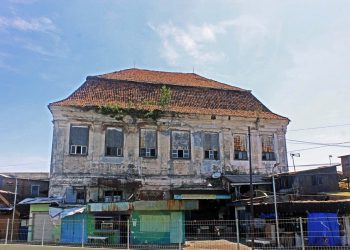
x=80, y=196
x=114, y=142
x=268, y=156
x=211, y=146
x=320, y=180
x=268, y=153
x=35, y=190
x=148, y=143
x=211, y=154
x=78, y=140
x=180, y=145
x=148, y=152
x=241, y=155
x=114, y=151
x=240, y=147
x=213, y=117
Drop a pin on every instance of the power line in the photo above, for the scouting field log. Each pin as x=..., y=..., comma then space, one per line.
x=336, y=144
x=312, y=128
x=304, y=149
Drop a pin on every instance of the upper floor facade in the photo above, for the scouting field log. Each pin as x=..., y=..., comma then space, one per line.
x=170, y=150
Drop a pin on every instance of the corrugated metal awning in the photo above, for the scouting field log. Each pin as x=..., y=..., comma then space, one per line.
x=244, y=179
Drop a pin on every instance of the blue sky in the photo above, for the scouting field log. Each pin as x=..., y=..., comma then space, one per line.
x=294, y=56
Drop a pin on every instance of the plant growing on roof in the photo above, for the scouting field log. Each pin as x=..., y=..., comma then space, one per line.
x=139, y=110
x=165, y=97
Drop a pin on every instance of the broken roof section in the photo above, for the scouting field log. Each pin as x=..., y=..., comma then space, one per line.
x=190, y=93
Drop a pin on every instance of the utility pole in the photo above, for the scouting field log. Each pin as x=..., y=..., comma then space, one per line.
x=275, y=203
x=14, y=210
x=251, y=188
x=296, y=155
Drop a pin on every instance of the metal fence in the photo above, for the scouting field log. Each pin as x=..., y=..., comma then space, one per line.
x=292, y=233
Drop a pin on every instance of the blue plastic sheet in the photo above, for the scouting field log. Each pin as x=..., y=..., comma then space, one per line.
x=323, y=229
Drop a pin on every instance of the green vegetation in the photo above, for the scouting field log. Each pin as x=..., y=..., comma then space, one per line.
x=139, y=110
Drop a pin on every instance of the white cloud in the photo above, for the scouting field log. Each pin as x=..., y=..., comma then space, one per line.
x=314, y=93
x=43, y=27
x=56, y=47
x=39, y=24
x=194, y=40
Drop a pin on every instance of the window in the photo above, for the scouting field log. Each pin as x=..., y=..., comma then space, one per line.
x=286, y=182
x=80, y=196
x=114, y=142
x=105, y=223
x=35, y=190
x=240, y=147
x=268, y=153
x=78, y=141
x=320, y=180
x=211, y=146
x=75, y=195
x=314, y=180
x=180, y=144
x=148, y=143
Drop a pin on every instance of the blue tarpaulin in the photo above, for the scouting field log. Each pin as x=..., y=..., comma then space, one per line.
x=323, y=229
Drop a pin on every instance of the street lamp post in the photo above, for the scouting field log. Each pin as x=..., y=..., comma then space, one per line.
x=296, y=155
x=275, y=203
x=14, y=210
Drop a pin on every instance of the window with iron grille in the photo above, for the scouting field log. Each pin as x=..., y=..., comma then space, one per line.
x=114, y=142
x=180, y=145
x=78, y=140
x=268, y=152
x=240, y=147
x=35, y=190
x=211, y=146
x=148, y=143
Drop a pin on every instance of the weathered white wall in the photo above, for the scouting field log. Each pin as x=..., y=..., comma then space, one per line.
x=161, y=172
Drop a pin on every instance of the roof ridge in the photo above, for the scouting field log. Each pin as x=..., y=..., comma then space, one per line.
x=167, y=77
x=167, y=84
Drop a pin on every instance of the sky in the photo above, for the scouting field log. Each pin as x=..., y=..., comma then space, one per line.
x=293, y=55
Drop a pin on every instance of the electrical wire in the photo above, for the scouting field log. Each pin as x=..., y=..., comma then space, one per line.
x=304, y=149
x=312, y=128
x=336, y=144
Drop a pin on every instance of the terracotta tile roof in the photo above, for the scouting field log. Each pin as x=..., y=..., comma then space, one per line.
x=170, y=78
x=212, y=99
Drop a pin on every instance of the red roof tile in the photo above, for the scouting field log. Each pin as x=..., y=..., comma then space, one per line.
x=170, y=78
x=198, y=95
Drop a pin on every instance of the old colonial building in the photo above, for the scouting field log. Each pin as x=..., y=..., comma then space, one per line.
x=144, y=135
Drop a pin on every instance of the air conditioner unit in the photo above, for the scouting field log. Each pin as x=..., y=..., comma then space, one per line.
x=108, y=198
x=106, y=226
x=113, y=198
x=117, y=198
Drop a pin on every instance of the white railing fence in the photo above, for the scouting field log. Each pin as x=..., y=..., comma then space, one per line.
x=294, y=233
